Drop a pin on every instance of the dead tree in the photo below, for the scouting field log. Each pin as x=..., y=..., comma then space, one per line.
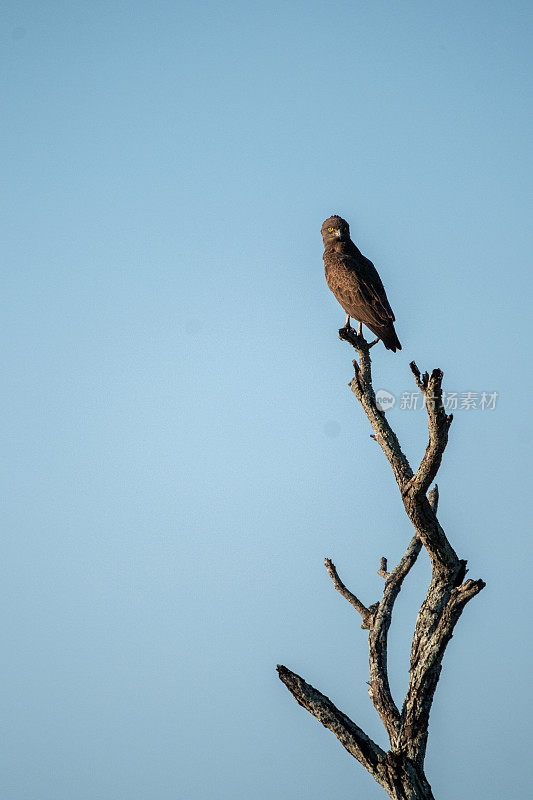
x=400, y=771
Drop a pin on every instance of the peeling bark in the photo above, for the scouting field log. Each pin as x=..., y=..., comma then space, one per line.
x=400, y=771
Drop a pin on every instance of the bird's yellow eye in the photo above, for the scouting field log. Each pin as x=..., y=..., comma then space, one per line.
x=330, y=229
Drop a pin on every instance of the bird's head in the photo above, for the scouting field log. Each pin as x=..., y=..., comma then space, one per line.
x=335, y=229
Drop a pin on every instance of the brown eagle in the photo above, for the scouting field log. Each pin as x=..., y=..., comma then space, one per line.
x=354, y=281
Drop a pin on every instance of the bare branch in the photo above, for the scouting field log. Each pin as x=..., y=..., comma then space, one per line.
x=379, y=689
x=438, y=423
x=349, y=596
x=421, y=511
x=350, y=735
x=443, y=556
x=377, y=619
x=432, y=632
x=382, y=571
x=446, y=607
x=361, y=386
x=416, y=504
x=404, y=565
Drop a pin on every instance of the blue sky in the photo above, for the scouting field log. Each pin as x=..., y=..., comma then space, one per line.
x=180, y=446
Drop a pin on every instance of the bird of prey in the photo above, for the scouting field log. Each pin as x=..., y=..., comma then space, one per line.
x=354, y=281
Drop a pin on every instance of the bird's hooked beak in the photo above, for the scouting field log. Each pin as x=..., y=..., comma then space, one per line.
x=338, y=233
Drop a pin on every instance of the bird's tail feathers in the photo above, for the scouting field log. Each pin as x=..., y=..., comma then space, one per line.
x=390, y=339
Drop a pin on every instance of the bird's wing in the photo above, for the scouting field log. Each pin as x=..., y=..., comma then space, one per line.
x=369, y=290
